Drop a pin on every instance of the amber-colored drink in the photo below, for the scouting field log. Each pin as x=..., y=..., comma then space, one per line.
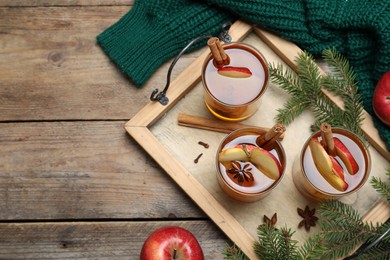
x=249, y=189
x=313, y=185
x=235, y=96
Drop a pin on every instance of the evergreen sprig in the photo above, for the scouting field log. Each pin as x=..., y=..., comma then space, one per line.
x=275, y=243
x=381, y=187
x=307, y=84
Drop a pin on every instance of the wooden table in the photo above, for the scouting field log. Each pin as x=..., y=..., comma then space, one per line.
x=73, y=183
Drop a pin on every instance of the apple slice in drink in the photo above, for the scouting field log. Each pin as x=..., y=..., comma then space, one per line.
x=328, y=168
x=233, y=154
x=337, y=169
x=345, y=155
x=247, y=147
x=235, y=72
x=266, y=162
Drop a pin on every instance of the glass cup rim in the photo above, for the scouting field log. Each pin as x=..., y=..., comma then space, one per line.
x=361, y=146
x=282, y=162
x=259, y=56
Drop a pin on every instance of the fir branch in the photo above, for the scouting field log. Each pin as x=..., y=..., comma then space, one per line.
x=286, y=79
x=234, y=253
x=325, y=111
x=381, y=252
x=381, y=187
x=342, y=82
x=339, y=66
x=275, y=243
x=340, y=214
x=306, y=89
x=292, y=109
x=309, y=75
x=312, y=248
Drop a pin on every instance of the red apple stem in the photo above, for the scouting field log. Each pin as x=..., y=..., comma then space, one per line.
x=267, y=141
x=218, y=52
x=327, y=139
x=174, y=253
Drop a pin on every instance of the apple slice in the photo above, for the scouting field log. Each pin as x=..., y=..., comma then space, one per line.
x=328, y=168
x=345, y=155
x=233, y=154
x=235, y=72
x=266, y=162
x=337, y=169
x=247, y=147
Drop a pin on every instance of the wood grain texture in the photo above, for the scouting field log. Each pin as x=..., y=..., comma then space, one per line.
x=51, y=67
x=82, y=170
x=96, y=240
x=24, y=3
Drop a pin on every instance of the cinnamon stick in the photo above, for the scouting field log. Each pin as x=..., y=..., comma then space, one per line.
x=327, y=138
x=214, y=124
x=267, y=140
x=218, y=53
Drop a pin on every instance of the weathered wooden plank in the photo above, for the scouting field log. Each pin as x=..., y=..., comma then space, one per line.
x=23, y=3
x=82, y=170
x=96, y=240
x=51, y=67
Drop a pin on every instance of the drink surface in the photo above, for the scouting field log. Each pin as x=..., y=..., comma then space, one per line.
x=236, y=91
x=353, y=180
x=261, y=181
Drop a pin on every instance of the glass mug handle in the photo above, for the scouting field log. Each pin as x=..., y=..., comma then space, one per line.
x=161, y=97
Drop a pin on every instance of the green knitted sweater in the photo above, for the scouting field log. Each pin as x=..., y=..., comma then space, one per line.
x=154, y=31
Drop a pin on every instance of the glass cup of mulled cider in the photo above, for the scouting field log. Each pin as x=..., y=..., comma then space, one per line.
x=234, y=77
x=245, y=171
x=320, y=174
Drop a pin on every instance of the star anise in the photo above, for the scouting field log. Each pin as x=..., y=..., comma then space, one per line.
x=241, y=173
x=309, y=220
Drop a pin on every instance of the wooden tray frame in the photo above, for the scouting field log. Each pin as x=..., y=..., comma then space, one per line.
x=138, y=128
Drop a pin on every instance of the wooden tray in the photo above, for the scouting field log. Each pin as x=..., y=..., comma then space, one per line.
x=175, y=147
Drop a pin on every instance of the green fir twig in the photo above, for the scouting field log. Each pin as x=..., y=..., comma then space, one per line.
x=306, y=86
x=381, y=187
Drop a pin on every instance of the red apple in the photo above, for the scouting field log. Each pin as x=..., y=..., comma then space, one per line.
x=327, y=166
x=171, y=242
x=235, y=72
x=381, y=98
x=345, y=155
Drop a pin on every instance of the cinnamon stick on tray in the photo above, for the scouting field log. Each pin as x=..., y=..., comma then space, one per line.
x=327, y=138
x=214, y=124
x=267, y=140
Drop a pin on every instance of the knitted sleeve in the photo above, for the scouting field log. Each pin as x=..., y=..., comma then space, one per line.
x=154, y=31
x=358, y=29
